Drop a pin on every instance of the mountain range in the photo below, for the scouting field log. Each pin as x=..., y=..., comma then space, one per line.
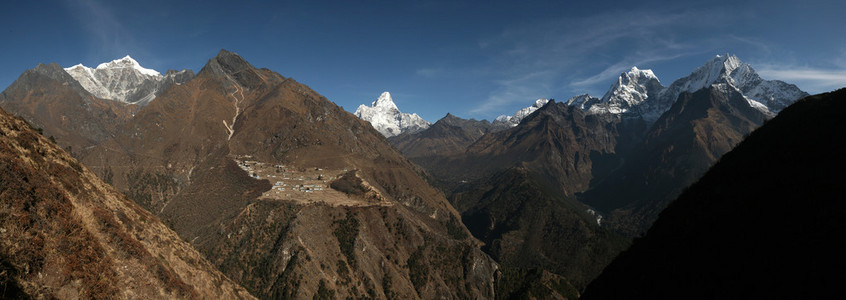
x=289, y=196
x=638, y=93
x=592, y=171
x=279, y=188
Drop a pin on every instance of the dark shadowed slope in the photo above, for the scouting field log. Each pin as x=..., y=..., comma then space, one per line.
x=66, y=234
x=514, y=188
x=684, y=142
x=767, y=221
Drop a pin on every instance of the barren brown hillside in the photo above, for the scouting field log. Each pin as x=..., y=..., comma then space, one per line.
x=66, y=234
x=211, y=156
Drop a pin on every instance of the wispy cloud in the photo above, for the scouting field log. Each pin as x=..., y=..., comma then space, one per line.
x=614, y=70
x=106, y=34
x=529, y=86
x=429, y=72
x=812, y=80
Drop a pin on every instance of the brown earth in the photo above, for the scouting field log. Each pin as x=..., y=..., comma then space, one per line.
x=53, y=101
x=175, y=158
x=66, y=234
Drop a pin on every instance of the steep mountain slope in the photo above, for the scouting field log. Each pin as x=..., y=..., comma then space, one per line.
x=50, y=99
x=766, y=221
x=629, y=163
x=449, y=136
x=556, y=141
x=66, y=234
x=681, y=145
x=288, y=194
x=514, y=190
x=125, y=80
x=526, y=223
x=384, y=115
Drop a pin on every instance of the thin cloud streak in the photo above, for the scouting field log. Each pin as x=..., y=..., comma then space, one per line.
x=808, y=79
x=107, y=35
x=614, y=70
x=529, y=85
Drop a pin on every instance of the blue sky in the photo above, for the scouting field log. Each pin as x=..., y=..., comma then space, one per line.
x=474, y=59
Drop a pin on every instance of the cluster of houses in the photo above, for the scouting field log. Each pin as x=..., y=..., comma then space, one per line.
x=285, y=180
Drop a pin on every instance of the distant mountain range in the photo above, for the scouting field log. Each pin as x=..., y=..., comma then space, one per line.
x=636, y=93
x=608, y=164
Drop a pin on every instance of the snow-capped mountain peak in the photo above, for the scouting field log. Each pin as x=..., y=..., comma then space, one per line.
x=641, y=73
x=125, y=80
x=518, y=116
x=629, y=92
x=385, y=101
x=715, y=71
x=386, y=118
x=773, y=94
x=639, y=93
x=128, y=62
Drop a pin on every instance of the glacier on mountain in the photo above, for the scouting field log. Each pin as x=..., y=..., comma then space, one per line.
x=125, y=80
x=386, y=118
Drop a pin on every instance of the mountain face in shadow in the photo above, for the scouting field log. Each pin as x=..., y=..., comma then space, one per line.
x=598, y=170
x=766, y=221
x=66, y=234
x=681, y=145
x=514, y=189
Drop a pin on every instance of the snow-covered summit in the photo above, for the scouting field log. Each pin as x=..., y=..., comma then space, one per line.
x=125, y=80
x=717, y=70
x=773, y=94
x=631, y=89
x=385, y=101
x=518, y=116
x=127, y=62
x=386, y=118
x=639, y=93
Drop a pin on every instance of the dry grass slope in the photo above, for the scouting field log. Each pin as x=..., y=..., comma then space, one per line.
x=66, y=234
